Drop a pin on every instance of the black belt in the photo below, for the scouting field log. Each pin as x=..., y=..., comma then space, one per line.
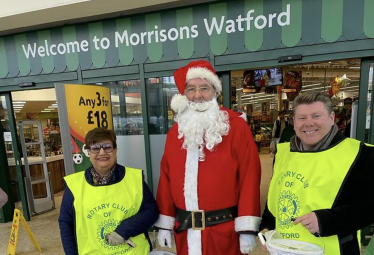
x=200, y=219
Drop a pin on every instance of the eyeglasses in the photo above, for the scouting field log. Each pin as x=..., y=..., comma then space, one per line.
x=107, y=147
x=193, y=90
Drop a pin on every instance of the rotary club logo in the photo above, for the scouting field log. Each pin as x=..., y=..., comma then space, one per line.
x=288, y=208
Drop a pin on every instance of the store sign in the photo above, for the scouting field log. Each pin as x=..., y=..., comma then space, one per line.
x=87, y=107
x=7, y=136
x=215, y=25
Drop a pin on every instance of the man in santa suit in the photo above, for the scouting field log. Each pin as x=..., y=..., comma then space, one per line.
x=209, y=187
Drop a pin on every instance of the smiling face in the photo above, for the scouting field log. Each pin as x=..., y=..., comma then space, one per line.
x=103, y=161
x=312, y=122
x=199, y=90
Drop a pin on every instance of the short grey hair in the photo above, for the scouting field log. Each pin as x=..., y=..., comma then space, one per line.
x=311, y=97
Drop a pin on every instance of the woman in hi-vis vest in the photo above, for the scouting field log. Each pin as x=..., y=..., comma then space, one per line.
x=323, y=182
x=108, y=208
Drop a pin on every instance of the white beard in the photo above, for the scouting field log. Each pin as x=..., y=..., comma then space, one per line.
x=202, y=124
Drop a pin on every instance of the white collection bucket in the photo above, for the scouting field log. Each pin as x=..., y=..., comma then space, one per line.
x=281, y=246
x=161, y=253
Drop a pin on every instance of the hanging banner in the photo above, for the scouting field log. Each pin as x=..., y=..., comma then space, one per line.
x=83, y=108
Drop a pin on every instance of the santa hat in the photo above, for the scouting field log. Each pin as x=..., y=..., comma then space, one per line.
x=196, y=69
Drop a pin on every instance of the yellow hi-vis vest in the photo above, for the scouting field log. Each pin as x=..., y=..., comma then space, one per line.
x=307, y=181
x=100, y=209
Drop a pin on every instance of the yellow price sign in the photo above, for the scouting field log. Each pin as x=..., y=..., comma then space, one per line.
x=88, y=107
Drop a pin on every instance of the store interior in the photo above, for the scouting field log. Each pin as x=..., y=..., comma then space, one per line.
x=263, y=92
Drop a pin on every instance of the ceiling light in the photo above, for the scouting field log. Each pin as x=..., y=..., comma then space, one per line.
x=355, y=67
x=311, y=85
x=45, y=111
x=19, y=102
x=52, y=106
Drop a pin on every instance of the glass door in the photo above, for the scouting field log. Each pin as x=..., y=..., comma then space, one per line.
x=11, y=176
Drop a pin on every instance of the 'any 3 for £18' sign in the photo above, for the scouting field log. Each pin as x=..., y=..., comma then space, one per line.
x=88, y=107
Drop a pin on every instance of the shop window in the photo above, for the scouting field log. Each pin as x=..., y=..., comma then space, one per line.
x=159, y=94
x=126, y=107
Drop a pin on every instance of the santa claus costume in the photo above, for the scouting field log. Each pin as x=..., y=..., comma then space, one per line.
x=217, y=178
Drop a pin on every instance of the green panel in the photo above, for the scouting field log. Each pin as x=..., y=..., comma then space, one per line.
x=97, y=52
x=154, y=48
x=3, y=60
x=126, y=55
x=72, y=59
x=253, y=36
x=185, y=45
x=218, y=39
x=47, y=61
x=369, y=18
x=291, y=34
x=332, y=20
x=23, y=61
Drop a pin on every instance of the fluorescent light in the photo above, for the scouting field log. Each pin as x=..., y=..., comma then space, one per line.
x=239, y=89
x=45, y=111
x=355, y=67
x=311, y=85
x=19, y=102
x=52, y=106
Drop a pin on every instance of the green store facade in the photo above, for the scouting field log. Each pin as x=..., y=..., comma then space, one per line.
x=138, y=54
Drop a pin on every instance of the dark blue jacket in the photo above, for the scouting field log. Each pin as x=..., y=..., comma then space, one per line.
x=133, y=226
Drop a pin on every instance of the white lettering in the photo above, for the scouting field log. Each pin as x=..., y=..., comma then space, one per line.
x=61, y=49
x=105, y=43
x=286, y=14
x=84, y=45
x=96, y=40
x=29, y=50
x=264, y=22
x=194, y=31
x=187, y=30
x=230, y=28
x=41, y=51
x=271, y=17
x=119, y=39
x=54, y=53
x=249, y=18
x=72, y=47
x=136, y=36
x=239, y=20
x=214, y=25
x=175, y=37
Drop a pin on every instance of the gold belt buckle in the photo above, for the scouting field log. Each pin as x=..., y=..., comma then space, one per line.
x=202, y=219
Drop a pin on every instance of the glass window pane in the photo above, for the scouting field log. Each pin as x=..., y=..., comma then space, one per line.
x=159, y=94
x=126, y=107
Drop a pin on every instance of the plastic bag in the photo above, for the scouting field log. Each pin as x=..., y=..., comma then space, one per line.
x=272, y=146
x=3, y=198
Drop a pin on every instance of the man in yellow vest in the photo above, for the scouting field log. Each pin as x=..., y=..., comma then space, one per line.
x=108, y=208
x=323, y=182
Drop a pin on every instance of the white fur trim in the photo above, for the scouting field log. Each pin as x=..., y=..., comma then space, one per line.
x=191, y=199
x=203, y=73
x=179, y=103
x=166, y=222
x=247, y=223
x=243, y=116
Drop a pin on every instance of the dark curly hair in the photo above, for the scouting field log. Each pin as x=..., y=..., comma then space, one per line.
x=99, y=134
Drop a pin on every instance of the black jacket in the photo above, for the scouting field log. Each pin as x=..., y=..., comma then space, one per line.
x=353, y=208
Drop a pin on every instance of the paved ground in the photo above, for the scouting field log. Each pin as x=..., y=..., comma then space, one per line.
x=46, y=231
